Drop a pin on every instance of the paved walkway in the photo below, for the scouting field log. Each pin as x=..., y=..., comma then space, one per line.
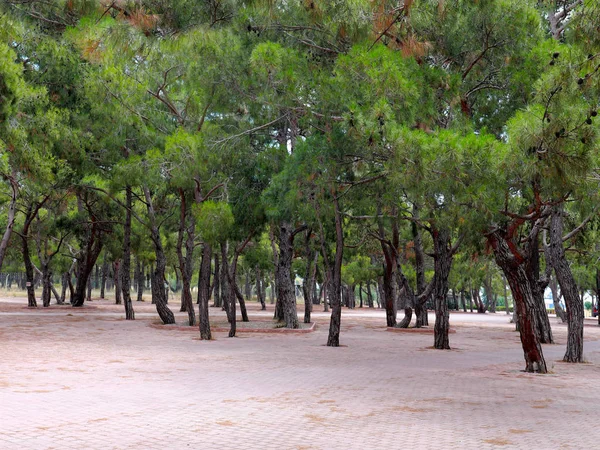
x=87, y=379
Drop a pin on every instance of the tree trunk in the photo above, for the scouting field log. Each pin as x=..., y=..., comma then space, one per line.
x=523, y=293
x=286, y=294
x=533, y=272
x=126, y=266
x=104, y=276
x=422, y=319
x=489, y=294
x=360, y=295
x=442, y=266
x=560, y=313
x=247, y=286
x=333, y=339
x=31, y=301
x=141, y=280
x=158, y=277
x=217, y=296
x=260, y=292
x=117, y=280
x=309, y=276
x=204, y=292
x=186, y=262
x=568, y=287
x=506, y=306
x=369, y=295
x=46, y=285
x=92, y=246
x=88, y=289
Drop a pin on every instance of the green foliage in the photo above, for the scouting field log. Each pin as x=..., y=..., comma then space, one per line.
x=214, y=221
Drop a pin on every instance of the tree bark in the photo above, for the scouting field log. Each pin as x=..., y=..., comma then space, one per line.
x=309, y=276
x=442, y=266
x=422, y=319
x=560, y=313
x=158, y=277
x=204, y=292
x=260, y=291
x=46, y=285
x=286, y=294
x=186, y=262
x=126, y=266
x=512, y=263
x=92, y=246
x=141, y=280
x=333, y=339
x=117, y=281
x=217, y=301
x=104, y=276
x=568, y=287
x=489, y=294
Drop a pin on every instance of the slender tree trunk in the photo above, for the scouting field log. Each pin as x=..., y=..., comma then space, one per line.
x=333, y=339
x=126, y=265
x=442, y=266
x=568, y=287
x=369, y=294
x=117, y=280
x=240, y=297
x=489, y=294
x=217, y=300
x=560, y=313
x=360, y=295
x=204, y=292
x=247, y=286
x=309, y=276
x=422, y=319
x=533, y=271
x=46, y=285
x=186, y=262
x=88, y=290
x=260, y=292
x=29, y=284
x=141, y=280
x=104, y=276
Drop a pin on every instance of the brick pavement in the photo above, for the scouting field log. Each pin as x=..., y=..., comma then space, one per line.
x=75, y=379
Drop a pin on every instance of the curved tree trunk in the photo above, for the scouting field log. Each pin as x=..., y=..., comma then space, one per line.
x=513, y=266
x=158, y=276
